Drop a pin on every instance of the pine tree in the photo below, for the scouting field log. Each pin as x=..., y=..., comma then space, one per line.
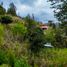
x=2, y=10
x=12, y=9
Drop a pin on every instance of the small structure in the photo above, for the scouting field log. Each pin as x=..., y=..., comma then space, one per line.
x=48, y=45
x=44, y=27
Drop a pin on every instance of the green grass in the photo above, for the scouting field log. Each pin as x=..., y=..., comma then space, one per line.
x=2, y=28
x=54, y=57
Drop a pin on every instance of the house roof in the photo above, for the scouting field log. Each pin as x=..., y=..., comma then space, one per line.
x=44, y=27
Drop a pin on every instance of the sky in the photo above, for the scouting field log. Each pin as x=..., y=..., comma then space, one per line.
x=40, y=8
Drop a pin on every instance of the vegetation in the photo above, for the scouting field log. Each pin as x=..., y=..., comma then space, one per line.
x=60, y=13
x=35, y=35
x=60, y=9
x=22, y=42
x=12, y=10
x=2, y=10
x=5, y=19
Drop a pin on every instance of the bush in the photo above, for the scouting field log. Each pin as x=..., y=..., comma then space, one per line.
x=59, y=39
x=4, y=65
x=6, y=19
x=3, y=57
x=21, y=63
x=19, y=31
x=11, y=59
x=37, y=40
x=49, y=35
x=1, y=34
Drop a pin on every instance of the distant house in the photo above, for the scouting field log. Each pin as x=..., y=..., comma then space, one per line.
x=44, y=27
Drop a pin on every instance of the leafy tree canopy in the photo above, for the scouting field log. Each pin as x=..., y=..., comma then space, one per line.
x=2, y=10
x=12, y=9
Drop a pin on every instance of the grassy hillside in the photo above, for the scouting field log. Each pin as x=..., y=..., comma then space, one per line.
x=14, y=48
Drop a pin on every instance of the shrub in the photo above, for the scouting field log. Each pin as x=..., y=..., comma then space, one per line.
x=49, y=35
x=4, y=65
x=21, y=63
x=59, y=39
x=35, y=35
x=3, y=57
x=6, y=19
x=1, y=33
x=19, y=31
x=37, y=40
x=11, y=59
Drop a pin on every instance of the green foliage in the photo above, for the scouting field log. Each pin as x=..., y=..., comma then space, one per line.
x=60, y=11
x=35, y=35
x=19, y=31
x=3, y=57
x=11, y=59
x=61, y=15
x=58, y=39
x=12, y=9
x=37, y=40
x=4, y=65
x=30, y=24
x=52, y=24
x=13, y=46
x=49, y=34
x=63, y=25
x=6, y=19
x=54, y=57
x=1, y=34
x=2, y=10
x=21, y=63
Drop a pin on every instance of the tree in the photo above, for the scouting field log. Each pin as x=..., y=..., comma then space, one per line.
x=50, y=23
x=12, y=9
x=6, y=19
x=60, y=9
x=37, y=40
x=58, y=39
x=2, y=10
x=60, y=12
x=35, y=35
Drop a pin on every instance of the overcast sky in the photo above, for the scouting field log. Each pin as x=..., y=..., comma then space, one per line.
x=40, y=8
